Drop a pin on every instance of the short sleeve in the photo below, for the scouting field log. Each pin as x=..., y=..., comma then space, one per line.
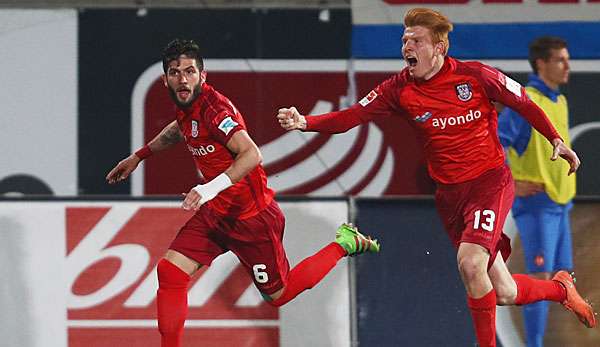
x=225, y=124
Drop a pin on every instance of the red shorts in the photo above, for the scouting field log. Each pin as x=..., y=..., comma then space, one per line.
x=256, y=241
x=475, y=211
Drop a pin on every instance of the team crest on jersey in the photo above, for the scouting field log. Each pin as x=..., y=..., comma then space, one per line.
x=227, y=125
x=194, y=128
x=367, y=99
x=464, y=92
x=423, y=118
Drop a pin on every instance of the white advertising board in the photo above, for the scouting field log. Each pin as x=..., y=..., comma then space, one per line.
x=38, y=102
x=84, y=274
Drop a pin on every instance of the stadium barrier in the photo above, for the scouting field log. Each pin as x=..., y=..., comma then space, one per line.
x=81, y=272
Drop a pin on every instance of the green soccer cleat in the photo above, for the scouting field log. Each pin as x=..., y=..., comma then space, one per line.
x=354, y=242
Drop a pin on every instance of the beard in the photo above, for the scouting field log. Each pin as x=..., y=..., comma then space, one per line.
x=195, y=93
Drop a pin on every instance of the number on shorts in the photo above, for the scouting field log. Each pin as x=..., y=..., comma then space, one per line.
x=488, y=220
x=261, y=276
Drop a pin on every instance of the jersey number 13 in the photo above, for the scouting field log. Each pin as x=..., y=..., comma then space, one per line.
x=484, y=219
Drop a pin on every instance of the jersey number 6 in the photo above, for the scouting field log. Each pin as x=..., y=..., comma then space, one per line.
x=261, y=276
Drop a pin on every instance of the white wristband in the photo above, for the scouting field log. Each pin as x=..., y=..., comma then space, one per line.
x=209, y=190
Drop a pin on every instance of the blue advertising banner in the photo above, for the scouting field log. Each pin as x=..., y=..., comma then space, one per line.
x=499, y=29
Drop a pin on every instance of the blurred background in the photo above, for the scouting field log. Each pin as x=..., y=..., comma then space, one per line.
x=80, y=91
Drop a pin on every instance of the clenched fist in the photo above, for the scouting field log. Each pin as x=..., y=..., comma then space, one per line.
x=291, y=119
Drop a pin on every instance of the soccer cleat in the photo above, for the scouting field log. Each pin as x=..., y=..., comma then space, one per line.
x=354, y=242
x=574, y=302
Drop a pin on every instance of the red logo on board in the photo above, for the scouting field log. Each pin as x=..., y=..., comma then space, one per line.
x=111, y=259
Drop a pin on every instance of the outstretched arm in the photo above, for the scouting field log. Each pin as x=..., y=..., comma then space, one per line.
x=510, y=93
x=170, y=135
x=379, y=102
x=247, y=157
x=332, y=122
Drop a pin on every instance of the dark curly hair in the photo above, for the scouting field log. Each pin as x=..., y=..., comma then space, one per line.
x=176, y=48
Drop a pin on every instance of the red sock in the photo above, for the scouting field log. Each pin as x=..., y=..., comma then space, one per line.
x=531, y=289
x=310, y=271
x=483, y=312
x=171, y=302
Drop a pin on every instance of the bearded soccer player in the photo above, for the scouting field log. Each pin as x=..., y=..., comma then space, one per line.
x=235, y=210
x=449, y=103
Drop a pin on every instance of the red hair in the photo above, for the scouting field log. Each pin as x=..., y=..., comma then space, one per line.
x=436, y=22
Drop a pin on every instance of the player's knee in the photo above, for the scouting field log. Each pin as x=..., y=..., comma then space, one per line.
x=472, y=261
x=505, y=294
x=171, y=276
x=471, y=268
x=275, y=299
x=274, y=302
x=504, y=298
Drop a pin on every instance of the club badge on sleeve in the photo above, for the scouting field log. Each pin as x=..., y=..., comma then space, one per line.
x=368, y=98
x=513, y=86
x=227, y=124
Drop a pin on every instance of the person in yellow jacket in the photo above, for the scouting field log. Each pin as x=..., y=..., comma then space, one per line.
x=543, y=191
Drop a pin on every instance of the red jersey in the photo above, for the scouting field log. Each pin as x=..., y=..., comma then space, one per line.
x=207, y=126
x=452, y=112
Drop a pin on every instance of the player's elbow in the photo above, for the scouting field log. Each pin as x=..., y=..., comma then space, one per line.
x=259, y=157
x=254, y=156
x=251, y=157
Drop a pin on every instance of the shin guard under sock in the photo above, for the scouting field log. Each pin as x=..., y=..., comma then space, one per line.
x=531, y=289
x=309, y=272
x=483, y=312
x=171, y=302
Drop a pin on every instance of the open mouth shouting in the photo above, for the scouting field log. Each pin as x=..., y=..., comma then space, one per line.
x=184, y=93
x=411, y=61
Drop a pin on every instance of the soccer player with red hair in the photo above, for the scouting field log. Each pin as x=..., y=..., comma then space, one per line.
x=449, y=103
